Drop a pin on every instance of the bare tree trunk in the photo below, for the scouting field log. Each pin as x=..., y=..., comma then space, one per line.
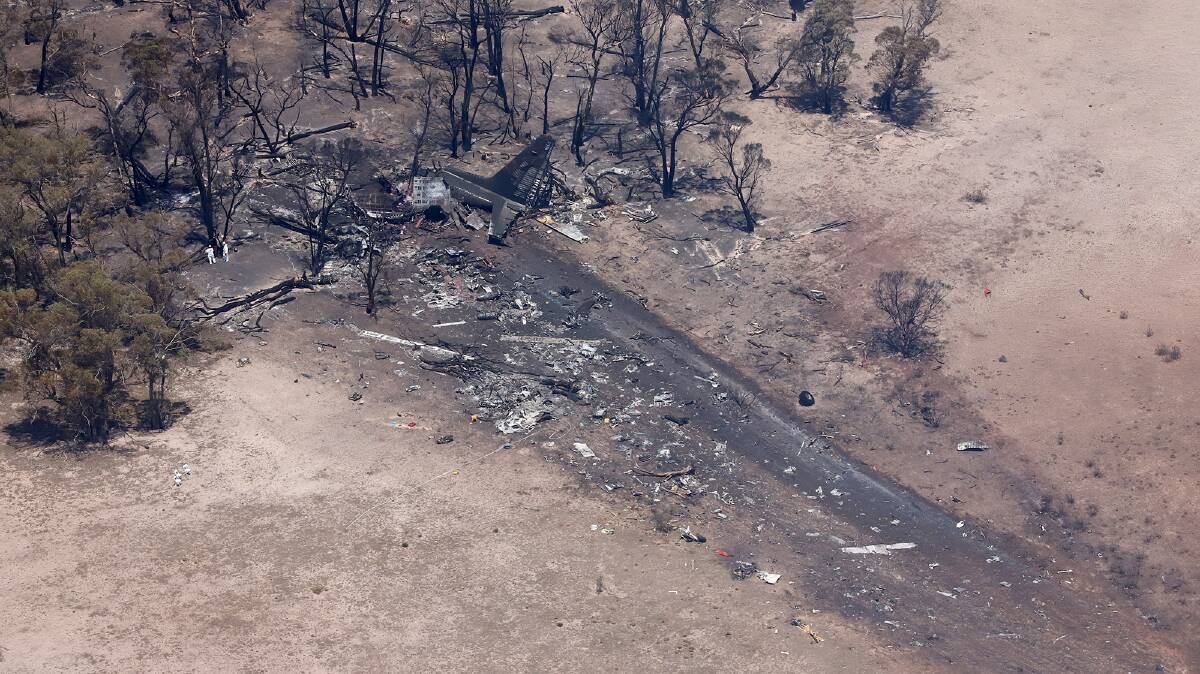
x=378, y=54
x=41, y=81
x=747, y=212
x=464, y=117
x=548, y=71
x=577, y=128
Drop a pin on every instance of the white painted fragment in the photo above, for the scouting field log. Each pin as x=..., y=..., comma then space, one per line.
x=540, y=339
x=879, y=549
x=568, y=229
x=388, y=338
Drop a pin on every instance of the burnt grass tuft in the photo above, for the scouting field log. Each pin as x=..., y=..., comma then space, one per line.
x=1169, y=354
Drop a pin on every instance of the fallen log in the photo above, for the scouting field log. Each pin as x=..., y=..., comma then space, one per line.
x=517, y=14
x=827, y=226
x=272, y=294
x=536, y=13
x=296, y=137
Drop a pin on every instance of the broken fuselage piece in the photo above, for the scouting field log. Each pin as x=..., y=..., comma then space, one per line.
x=521, y=184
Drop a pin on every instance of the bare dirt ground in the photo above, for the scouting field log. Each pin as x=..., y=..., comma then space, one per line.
x=1070, y=122
x=314, y=535
x=317, y=475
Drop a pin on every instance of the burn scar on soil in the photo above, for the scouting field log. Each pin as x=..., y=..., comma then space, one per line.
x=607, y=375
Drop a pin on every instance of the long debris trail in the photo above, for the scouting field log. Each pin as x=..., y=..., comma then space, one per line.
x=658, y=418
x=533, y=338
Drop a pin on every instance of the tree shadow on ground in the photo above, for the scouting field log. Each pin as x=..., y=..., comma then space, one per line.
x=37, y=430
x=41, y=429
x=725, y=216
x=697, y=179
x=384, y=301
x=913, y=109
x=799, y=96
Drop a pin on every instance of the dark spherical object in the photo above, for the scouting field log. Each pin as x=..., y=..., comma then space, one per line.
x=807, y=399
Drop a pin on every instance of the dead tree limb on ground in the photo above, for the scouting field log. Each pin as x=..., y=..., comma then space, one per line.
x=516, y=14
x=258, y=297
x=296, y=137
x=827, y=226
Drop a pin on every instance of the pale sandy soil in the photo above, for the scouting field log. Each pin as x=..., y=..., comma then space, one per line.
x=1077, y=122
x=314, y=536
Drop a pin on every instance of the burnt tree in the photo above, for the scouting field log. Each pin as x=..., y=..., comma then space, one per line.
x=464, y=48
x=750, y=53
x=321, y=195
x=272, y=106
x=686, y=99
x=207, y=125
x=899, y=62
x=912, y=304
x=42, y=25
x=598, y=35
x=744, y=165
x=826, y=51
x=700, y=19
x=643, y=29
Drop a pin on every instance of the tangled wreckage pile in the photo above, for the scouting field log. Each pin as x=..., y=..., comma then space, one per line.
x=605, y=389
x=538, y=358
x=526, y=352
x=527, y=355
